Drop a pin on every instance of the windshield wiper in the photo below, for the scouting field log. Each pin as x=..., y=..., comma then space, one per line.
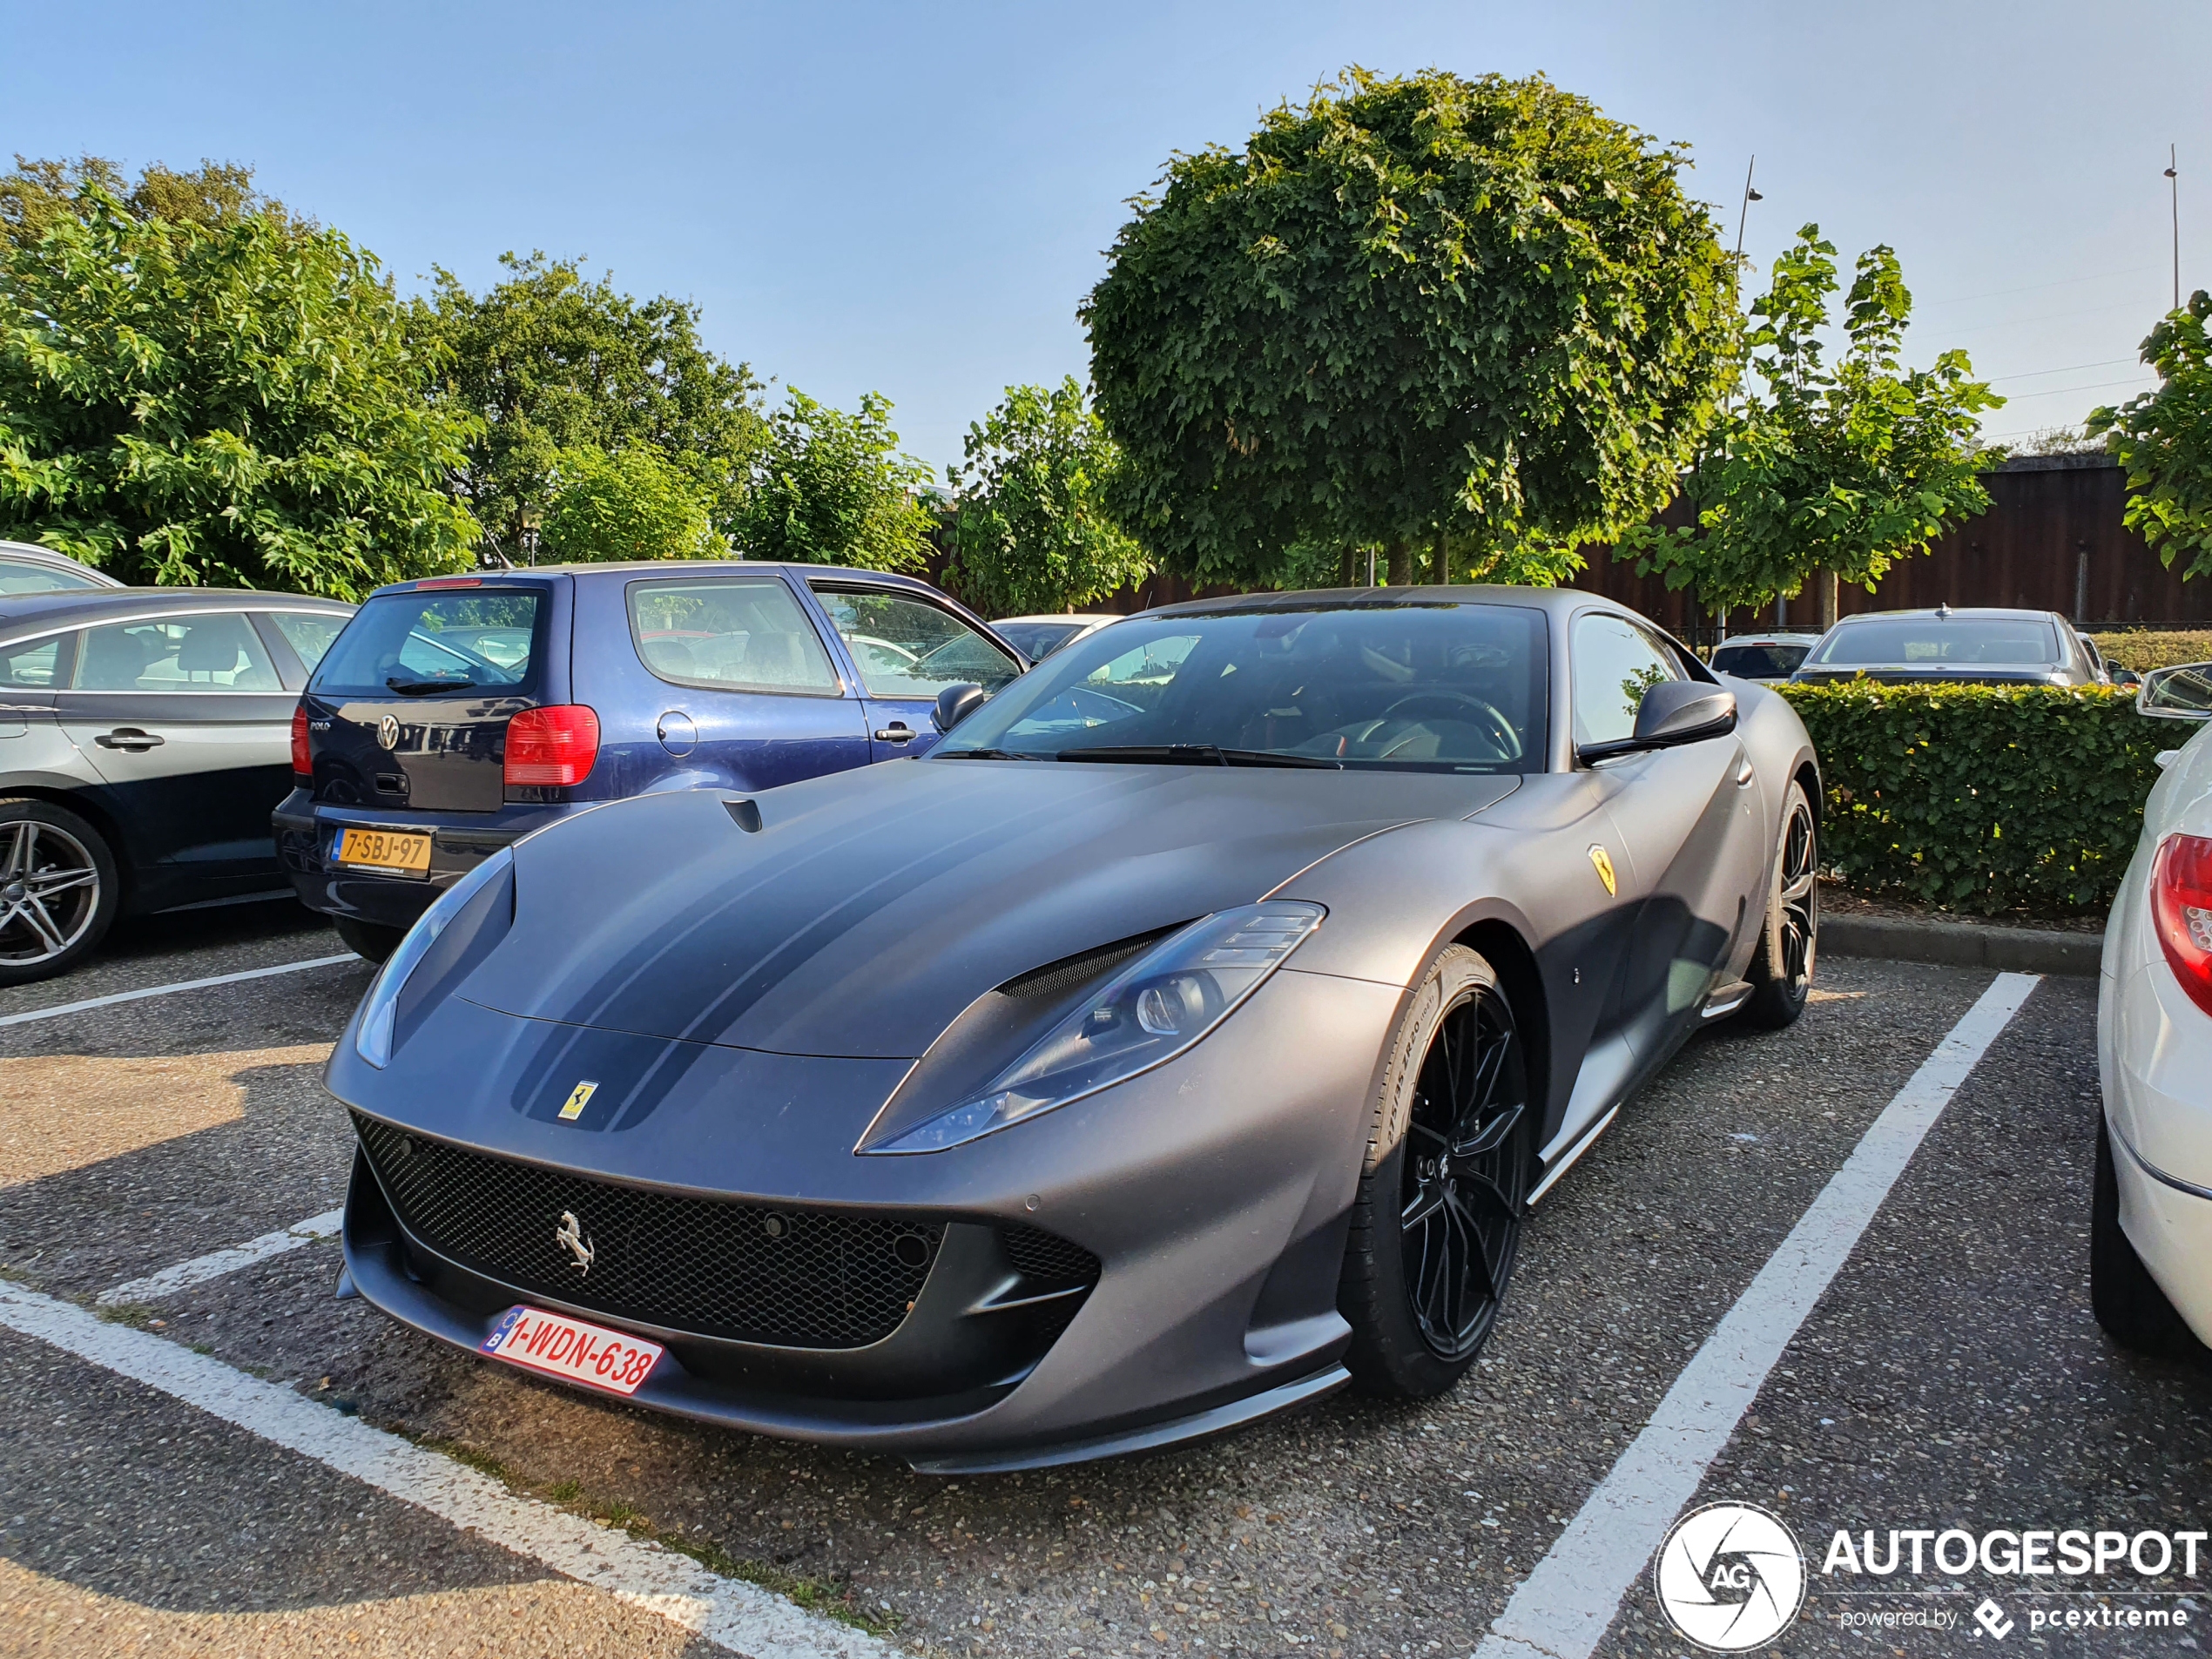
x=1196, y=754
x=984, y=754
x=423, y=688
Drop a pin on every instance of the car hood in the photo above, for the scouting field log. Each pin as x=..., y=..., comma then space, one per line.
x=871, y=907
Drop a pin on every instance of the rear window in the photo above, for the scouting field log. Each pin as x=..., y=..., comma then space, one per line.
x=1758, y=662
x=26, y=576
x=730, y=634
x=308, y=633
x=1966, y=642
x=414, y=644
x=1037, y=640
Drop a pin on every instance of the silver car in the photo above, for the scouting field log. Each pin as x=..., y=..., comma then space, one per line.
x=145, y=735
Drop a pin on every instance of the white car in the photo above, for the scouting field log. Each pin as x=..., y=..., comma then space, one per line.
x=1037, y=637
x=1762, y=656
x=2150, y=1235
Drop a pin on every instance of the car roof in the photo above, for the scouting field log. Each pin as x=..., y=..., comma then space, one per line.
x=69, y=607
x=1556, y=601
x=1949, y=613
x=668, y=567
x=1065, y=616
x=31, y=553
x=1767, y=639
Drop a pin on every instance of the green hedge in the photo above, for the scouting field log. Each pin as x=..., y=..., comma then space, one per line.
x=2142, y=649
x=1983, y=799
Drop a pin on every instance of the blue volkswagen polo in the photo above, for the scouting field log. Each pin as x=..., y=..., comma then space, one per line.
x=456, y=713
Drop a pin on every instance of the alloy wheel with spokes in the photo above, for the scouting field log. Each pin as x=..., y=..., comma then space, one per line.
x=1783, y=967
x=1465, y=1174
x=56, y=889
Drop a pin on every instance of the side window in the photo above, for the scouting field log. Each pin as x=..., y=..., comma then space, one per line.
x=1616, y=662
x=730, y=634
x=308, y=632
x=907, y=647
x=210, y=653
x=39, y=666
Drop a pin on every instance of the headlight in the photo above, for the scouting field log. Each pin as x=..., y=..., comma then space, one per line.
x=380, y=1010
x=1148, y=1013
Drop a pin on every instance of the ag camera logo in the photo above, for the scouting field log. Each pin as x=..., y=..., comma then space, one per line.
x=1730, y=1577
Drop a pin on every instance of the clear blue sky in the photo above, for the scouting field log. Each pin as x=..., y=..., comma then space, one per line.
x=912, y=198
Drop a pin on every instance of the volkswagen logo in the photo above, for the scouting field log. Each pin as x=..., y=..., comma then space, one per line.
x=388, y=731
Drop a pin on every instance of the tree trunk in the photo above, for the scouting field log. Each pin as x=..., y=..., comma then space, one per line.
x=1442, y=568
x=1401, y=563
x=1824, y=587
x=1348, y=567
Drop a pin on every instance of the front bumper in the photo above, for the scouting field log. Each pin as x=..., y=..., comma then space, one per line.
x=1212, y=1193
x=306, y=830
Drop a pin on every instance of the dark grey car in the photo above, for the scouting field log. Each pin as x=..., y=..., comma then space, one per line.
x=1187, y=1035
x=146, y=734
x=1983, y=645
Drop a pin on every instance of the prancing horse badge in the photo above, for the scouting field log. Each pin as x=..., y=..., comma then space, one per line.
x=580, y=1097
x=1599, y=857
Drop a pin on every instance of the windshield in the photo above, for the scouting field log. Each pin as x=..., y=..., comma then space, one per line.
x=1969, y=642
x=1431, y=686
x=418, y=643
x=1037, y=640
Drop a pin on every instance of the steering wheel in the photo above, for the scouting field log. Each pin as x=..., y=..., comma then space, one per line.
x=1498, y=729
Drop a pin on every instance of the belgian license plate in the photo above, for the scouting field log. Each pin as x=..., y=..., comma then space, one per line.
x=387, y=850
x=560, y=1346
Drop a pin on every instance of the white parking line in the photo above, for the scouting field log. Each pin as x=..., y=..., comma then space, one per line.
x=737, y=1615
x=215, y=1263
x=1566, y=1604
x=182, y=985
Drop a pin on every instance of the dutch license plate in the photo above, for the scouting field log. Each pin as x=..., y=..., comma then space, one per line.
x=560, y=1346
x=384, y=850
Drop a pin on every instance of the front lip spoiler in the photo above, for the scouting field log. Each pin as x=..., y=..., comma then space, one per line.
x=1215, y=1421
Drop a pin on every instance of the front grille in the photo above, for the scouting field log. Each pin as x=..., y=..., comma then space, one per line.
x=803, y=1279
x=1050, y=1259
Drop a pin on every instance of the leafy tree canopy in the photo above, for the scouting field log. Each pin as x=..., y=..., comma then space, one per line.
x=830, y=488
x=1844, y=467
x=633, y=505
x=2164, y=440
x=217, y=193
x=553, y=365
x=1410, y=306
x=238, y=402
x=1032, y=531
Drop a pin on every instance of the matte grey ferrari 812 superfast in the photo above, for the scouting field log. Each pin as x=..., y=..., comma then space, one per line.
x=1189, y=1035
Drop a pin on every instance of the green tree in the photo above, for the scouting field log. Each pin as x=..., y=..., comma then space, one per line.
x=633, y=505
x=2164, y=440
x=217, y=193
x=1031, y=531
x=1839, y=470
x=239, y=404
x=1410, y=307
x=830, y=488
x=553, y=365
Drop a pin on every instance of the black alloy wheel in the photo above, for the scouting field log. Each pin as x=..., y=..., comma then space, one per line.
x=1782, y=968
x=1443, y=1190
x=1464, y=1175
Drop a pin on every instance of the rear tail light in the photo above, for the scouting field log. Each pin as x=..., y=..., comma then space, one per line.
x=2181, y=905
x=552, y=747
x=303, y=764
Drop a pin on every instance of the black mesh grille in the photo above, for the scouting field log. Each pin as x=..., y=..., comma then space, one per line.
x=802, y=1278
x=1054, y=1261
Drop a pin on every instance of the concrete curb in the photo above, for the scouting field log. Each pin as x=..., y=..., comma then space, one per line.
x=1963, y=944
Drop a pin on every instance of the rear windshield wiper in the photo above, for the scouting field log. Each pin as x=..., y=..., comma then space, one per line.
x=1196, y=754
x=423, y=688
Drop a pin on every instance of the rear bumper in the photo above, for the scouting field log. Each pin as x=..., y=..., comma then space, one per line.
x=2170, y=1223
x=305, y=831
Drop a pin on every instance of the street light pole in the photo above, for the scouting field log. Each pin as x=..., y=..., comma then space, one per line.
x=1751, y=196
x=2174, y=184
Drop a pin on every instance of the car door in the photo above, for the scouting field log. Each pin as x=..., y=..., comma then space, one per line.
x=186, y=720
x=906, y=650
x=742, y=689
x=1690, y=819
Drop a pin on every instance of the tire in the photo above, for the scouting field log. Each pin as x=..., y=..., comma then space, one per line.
x=1421, y=1294
x=2125, y=1297
x=370, y=940
x=1781, y=967
x=58, y=890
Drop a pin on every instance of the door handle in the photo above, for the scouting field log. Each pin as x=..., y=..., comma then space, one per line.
x=130, y=739
x=1744, y=774
x=897, y=732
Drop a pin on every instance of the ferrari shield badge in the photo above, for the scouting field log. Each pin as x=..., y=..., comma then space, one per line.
x=580, y=1097
x=1599, y=857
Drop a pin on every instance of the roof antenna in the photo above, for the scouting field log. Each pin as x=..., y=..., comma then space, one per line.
x=1943, y=608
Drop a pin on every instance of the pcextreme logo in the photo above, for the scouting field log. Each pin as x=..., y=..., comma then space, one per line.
x=1730, y=1577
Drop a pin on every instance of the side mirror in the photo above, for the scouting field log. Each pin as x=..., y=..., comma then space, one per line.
x=2179, y=693
x=2127, y=676
x=955, y=704
x=1672, y=712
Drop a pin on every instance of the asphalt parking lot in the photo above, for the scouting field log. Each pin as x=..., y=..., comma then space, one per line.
x=1949, y=1376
